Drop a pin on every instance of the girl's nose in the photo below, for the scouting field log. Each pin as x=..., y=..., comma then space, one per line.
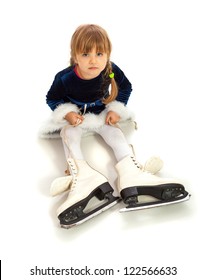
x=92, y=58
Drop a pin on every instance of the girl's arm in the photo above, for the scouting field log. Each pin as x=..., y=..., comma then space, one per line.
x=117, y=109
x=124, y=85
x=57, y=101
x=55, y=95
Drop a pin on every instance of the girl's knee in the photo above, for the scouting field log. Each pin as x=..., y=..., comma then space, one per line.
x=71, y=132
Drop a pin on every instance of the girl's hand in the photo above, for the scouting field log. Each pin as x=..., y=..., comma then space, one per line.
x=74, y=118
x=112, y=118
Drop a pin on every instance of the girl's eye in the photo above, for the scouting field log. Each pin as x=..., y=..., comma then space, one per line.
x=85, y=54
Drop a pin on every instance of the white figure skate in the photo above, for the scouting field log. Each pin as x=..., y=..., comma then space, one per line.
x=134, y=182
x=83, y=184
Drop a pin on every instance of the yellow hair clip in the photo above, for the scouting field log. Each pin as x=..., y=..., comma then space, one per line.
x=111, y=75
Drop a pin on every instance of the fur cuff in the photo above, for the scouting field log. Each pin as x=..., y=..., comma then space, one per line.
x=120, y=109
x=61, y=111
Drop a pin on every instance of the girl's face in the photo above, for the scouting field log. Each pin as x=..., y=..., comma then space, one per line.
x=90, y=65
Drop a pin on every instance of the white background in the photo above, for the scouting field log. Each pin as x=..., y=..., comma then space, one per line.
x=160, y=45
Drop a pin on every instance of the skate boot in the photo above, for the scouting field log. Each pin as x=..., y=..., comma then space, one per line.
x=153, y=165
x=134, y=182
x=83, y=184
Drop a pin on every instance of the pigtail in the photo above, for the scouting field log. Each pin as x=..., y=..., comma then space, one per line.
x=110, y=79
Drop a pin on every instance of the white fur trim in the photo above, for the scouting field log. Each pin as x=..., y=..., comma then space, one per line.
x=120, y=109
x=52, y=127
x=92, y=121
x=50, y=130
x=61, y=111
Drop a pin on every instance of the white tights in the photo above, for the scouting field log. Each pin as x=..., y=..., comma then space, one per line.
x=113, y=136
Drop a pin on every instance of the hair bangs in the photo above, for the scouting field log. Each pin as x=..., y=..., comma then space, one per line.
x=88, y=37
x=92, y=40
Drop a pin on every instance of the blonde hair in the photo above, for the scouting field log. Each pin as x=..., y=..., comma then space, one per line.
x=84, y=39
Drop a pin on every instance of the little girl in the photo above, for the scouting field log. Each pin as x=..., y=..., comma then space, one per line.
x=92, y=94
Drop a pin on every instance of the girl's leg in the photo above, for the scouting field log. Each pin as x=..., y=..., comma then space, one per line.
x=71, y=138
x=115, y=138
x=83, y=183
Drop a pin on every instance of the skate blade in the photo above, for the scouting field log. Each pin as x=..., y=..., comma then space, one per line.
x=90, y=216
x=154, y=204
